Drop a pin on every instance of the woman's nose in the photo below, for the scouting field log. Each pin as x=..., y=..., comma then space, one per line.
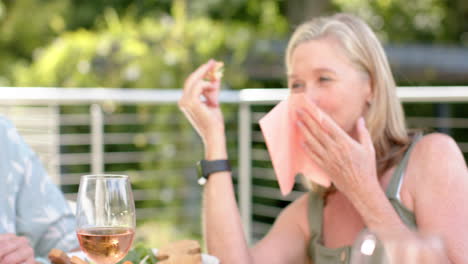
x=312, y=94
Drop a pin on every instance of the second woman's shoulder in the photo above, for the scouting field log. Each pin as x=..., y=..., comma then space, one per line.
x=437, y=146
x=297, y=213
x=436, y=153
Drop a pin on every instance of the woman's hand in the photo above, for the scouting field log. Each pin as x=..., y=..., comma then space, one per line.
x=15, y=250
x=349, y=163
x=200, y=105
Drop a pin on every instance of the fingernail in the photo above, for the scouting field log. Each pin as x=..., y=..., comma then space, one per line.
x=299, y=123
x=299, y=112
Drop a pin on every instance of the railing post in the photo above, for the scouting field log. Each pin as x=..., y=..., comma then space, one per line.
x=245, y=163
x=55, y=146
x=97, y=134
x=443, y=113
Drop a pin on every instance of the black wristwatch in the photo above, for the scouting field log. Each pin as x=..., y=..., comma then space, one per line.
x=207, y=167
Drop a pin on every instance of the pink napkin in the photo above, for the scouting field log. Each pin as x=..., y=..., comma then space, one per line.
x=283, y=140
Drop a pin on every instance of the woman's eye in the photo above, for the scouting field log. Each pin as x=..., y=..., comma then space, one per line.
x=324, y=79
x=296, y=85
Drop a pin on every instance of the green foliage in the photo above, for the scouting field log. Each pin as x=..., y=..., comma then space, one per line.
x=21, y=34
x=139, y=253
x=152, y=52
x=412, y=21
x=129, y=43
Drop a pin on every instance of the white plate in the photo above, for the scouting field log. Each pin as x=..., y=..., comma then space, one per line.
x=79, y=254
x=206, y=259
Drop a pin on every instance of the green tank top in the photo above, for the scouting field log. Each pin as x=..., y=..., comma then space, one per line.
x=323, y=255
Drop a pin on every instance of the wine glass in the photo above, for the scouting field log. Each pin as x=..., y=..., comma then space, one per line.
x=105, y=217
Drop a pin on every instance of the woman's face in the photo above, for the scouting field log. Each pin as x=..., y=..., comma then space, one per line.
x=321, y=70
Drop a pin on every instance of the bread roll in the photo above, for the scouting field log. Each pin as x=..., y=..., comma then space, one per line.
x=57, y=256
x=180, y=252
x=183, y=259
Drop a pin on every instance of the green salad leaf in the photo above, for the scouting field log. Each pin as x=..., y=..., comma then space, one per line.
x=140, y=254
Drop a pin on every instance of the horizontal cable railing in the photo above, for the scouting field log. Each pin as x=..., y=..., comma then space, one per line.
x=140, y=132
x=70, y=96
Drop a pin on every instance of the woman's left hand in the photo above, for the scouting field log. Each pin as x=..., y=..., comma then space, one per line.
x=349, y=163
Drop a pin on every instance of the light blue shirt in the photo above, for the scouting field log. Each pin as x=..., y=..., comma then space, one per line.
x=30, y=204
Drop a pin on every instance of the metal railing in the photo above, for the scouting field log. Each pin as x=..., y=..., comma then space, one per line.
x=250, y=104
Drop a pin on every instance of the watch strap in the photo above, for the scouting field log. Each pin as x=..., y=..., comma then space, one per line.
x=208, y=167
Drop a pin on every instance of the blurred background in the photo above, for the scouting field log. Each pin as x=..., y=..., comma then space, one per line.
x=153, y=45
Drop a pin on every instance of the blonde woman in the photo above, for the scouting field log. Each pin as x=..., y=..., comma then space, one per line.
x=385, y=179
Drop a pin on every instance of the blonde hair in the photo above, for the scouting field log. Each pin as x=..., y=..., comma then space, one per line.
x=385, y=119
